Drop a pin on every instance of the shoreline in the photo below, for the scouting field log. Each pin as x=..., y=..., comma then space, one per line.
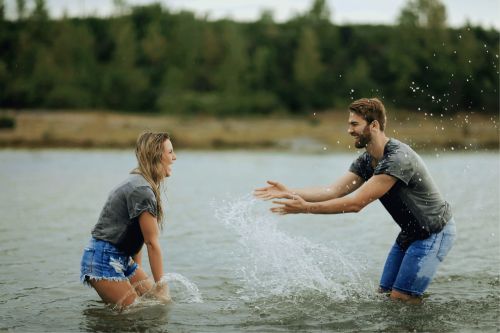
x=326, y=131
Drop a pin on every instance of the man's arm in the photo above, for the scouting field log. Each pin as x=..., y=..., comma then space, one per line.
x=343, y=186
x=370, y=191
x=346, y=184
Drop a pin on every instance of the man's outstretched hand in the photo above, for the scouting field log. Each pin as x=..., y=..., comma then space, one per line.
x=274, y=191
x=294, y=205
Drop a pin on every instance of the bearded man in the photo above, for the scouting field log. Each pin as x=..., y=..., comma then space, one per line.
x=392, y=172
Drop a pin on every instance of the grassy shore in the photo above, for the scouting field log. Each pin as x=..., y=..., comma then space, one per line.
x=314, y=132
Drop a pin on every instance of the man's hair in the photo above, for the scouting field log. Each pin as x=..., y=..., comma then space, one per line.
x=370, y=109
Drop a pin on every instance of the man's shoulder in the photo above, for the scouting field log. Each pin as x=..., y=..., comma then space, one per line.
x=398, y=148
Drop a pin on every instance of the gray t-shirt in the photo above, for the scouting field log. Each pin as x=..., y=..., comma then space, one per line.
x=414, y=201
x=119, y=219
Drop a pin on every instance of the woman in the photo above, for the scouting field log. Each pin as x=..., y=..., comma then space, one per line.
x=131, y=217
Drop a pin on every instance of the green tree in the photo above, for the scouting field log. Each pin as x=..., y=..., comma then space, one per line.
x=74, y=67
x=231, y=74
x=359, y=80
x=424, y=14
x=307, y=67
x=40, y=12
x=319, y=12
x=21, y=9
x=2, y=10
x=123, y=83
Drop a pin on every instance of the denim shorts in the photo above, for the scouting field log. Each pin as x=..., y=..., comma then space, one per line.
x=101, y=260
x=411, y=271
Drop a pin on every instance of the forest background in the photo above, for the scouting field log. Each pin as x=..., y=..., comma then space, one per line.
x=223, y=83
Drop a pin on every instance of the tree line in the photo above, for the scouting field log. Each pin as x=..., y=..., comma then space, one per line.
x=152, y=59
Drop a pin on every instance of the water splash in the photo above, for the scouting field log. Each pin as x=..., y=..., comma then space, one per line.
x=174, y=288
x=276, y=264
x=182, y=290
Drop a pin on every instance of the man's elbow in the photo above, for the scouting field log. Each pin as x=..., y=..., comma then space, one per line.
x=356, y=207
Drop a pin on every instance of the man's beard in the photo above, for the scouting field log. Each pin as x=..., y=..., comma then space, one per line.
x=363, y=139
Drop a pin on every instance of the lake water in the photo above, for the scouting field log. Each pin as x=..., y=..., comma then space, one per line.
x=232, y=266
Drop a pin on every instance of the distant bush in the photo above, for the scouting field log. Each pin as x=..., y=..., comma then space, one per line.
x=7, y=122
x=219, y=104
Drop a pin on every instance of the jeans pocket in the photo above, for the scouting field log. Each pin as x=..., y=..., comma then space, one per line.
x=422, y=247
x=446, y=245
x=87, y=261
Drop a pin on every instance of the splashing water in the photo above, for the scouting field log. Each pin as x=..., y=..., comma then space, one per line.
x=188, y=291
x=172, y=287
x=275, y=264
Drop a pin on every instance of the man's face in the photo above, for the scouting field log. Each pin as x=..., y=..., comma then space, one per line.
x=360, y=130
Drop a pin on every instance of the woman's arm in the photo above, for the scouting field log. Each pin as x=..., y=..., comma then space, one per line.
x=151, y=232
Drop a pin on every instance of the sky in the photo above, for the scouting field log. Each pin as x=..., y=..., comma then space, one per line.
x=478, y=12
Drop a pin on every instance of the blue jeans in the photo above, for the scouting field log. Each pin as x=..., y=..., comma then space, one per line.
x=411, y=271
x=101, y=260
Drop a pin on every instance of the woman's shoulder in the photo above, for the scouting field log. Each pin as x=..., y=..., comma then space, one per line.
x=133, y=183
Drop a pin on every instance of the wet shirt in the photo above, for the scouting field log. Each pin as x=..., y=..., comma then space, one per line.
x=119, y=219
x=414, y=201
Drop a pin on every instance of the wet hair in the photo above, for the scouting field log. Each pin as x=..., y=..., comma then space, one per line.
x=370, y=109
x=149, y=151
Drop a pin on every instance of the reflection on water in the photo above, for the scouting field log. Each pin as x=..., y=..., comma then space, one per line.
x=99, y=318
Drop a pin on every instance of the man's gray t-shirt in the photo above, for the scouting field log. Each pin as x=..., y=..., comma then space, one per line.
x=119, y=219
x=414, y=201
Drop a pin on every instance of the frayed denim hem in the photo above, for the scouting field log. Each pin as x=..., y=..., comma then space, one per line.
x=85, y=279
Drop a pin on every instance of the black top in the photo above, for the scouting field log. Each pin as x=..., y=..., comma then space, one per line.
x=414, y=201
x=119, y=219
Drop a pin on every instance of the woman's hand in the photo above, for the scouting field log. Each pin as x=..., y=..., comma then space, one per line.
x=274, y=191
x=150, y=232
x=161, y=292
x=294, y=205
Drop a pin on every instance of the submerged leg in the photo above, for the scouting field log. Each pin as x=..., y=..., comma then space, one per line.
x=145, y=286
x=140, y=281
x=120, y=293
x=397, y=295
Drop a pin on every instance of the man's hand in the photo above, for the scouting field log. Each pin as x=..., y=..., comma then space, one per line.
x=274, y=191
x=294, y=205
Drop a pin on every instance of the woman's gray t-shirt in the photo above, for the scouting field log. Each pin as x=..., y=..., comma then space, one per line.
x=414, y=201
x=119, y=219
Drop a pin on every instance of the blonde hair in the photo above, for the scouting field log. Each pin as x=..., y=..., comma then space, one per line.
x=149, y=151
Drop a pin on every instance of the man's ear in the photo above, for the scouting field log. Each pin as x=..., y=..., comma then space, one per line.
x=376, y=124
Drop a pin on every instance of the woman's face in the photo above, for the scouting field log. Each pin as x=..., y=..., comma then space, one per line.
x=168, y=157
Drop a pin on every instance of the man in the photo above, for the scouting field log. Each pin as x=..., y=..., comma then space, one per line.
x=392, y=172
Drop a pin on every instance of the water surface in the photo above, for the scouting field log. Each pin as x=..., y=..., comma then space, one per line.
x=233, y=266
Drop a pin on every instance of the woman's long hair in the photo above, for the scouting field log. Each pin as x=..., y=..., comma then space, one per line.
x=149, y=150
